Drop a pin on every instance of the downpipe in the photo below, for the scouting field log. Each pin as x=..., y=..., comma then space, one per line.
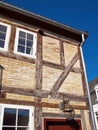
x=88, y=90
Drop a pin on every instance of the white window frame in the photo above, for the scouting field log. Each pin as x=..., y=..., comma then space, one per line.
x=95, y=109
x=31, y=113
x=34, y=43
x=7, y=37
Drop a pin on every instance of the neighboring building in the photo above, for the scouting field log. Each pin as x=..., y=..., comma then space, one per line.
x=94, y=98
x=43, y=65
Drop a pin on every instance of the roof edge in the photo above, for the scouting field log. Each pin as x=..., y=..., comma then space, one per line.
x=43, y=19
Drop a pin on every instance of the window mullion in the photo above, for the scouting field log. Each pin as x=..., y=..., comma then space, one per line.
x=2, y=116
x=16, y=119
x=25, y=42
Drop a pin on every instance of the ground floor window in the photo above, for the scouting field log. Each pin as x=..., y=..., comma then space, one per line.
x=16, y=117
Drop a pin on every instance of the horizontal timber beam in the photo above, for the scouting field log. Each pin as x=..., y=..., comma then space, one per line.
x=43, y=94
x=42, y=104
x=45, y=114
x=45, y=63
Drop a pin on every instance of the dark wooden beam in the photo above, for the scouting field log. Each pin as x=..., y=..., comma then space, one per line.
x=61, y=67
x=84, y=84
x=39, y=104
x=18, y=57
x=43, y=94
x=58, y=115
x=54, y=105
x=62, y=95
x=76, y=70
x=12, y=39
x=38, y=114
x=26, y=92
x=38, y=83
x=45, y=63
x=53, y=65
x=62, y=58
x=65, y=73
x=38, y=62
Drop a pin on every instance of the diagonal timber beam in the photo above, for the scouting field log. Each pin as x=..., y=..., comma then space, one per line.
x=65, y=73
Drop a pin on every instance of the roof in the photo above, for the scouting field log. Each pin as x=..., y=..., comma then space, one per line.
x=94, y=81
x=41, y=22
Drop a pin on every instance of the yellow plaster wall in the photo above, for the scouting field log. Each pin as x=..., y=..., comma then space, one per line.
x=17, y=73
x=51, y=50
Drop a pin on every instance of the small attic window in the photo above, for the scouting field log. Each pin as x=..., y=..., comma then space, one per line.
x=25, y=43
x=96, y=91
x=4, y=36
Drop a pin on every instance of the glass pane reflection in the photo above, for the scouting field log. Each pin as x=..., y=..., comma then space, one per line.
x=23, y=117
x=9, y=116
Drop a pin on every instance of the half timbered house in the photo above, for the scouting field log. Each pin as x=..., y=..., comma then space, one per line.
x=93, y=86
x=41, y=65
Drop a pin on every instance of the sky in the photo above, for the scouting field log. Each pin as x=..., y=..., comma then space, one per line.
x=79, y=14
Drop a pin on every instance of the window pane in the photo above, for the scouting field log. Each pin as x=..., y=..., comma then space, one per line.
x=21, y=49
x=22, y=34
x=9, y=116
x=22, y=128
x=29, y=36
x=97, y=119
x=3, y=28
x=97, y=113
x=8, y=128
x=2, y=36
x=29, y=51
x=1, y=43
x=29, y=43
x=21, y=41
x=23, y=117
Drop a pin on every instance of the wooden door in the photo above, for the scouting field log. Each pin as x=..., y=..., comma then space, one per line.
x=58, y=127
x=62, y=124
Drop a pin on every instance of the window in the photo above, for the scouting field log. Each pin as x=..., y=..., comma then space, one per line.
x=18, y=117
x=96, y=116
x=25, y=43
x=96, y=91
x=95, y=109
x=4, y=36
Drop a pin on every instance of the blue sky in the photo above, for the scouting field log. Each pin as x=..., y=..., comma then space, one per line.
x=80, y=14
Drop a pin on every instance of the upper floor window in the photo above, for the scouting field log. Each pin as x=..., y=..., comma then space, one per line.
x=4, y=36
x=16, y=117
x=25, y=43
x=96, y=90
x=95, y=109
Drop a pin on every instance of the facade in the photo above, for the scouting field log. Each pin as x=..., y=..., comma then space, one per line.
x=94, y=98
x=43, y=65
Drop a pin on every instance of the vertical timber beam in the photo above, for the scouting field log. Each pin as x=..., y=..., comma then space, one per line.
x=82, y=74
x=85, y=120
x=39, y=63
x=62, y=58
x=12, y=38
x=38, y=85
x=1, y=72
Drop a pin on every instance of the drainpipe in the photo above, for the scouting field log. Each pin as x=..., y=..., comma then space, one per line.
x=88, y=91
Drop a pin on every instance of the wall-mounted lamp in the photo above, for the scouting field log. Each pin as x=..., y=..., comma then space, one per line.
x=1, y=72
x=67, y=109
